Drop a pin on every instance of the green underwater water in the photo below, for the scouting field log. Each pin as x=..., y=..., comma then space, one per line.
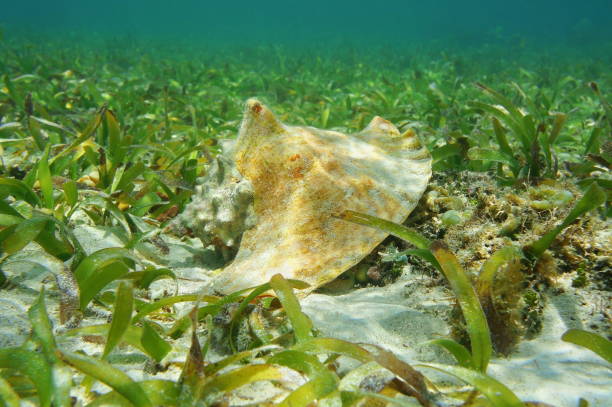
x=315, y=22
x=297, y=53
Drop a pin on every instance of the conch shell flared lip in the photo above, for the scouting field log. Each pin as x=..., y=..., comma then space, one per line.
x=303, y=177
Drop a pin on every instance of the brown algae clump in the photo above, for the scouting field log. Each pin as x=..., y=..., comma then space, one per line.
x=495, y=223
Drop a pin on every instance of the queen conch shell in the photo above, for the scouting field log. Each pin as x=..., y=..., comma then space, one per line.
x=303, y=178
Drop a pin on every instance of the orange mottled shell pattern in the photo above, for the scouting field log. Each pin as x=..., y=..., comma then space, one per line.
x=303, y=177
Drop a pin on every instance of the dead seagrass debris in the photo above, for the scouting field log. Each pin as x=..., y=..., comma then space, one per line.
x=301, y=178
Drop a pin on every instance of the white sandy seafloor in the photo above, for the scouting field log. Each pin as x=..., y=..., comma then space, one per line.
x=400, y=317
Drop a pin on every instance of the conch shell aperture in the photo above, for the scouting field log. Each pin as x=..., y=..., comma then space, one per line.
x=302, y=178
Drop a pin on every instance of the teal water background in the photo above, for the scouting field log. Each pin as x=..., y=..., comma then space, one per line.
x=316, y=23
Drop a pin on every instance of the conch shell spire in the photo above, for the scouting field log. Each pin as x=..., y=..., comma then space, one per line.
x=381, y=126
